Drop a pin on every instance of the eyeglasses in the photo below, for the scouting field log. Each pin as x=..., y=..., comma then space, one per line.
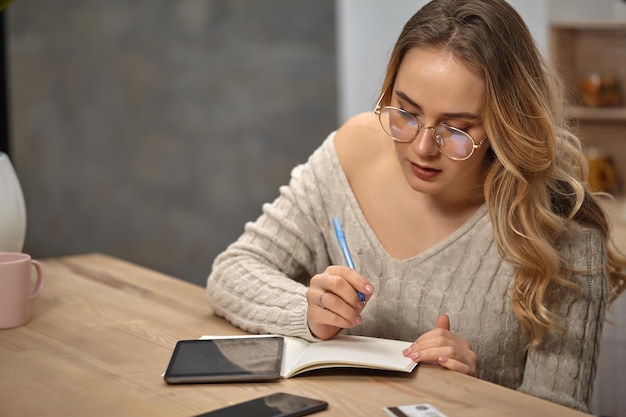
x=404, y=127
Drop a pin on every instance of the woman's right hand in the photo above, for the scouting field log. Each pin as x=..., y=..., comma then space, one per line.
x=333, y=302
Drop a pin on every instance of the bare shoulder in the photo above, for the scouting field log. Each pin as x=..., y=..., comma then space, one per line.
x=359, y=142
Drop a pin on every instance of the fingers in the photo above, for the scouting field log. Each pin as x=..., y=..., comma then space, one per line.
x=456, y=365
x=333, y=302
x=329, y=308
x=327, y=313
x=344, y=283
x=443, y=322
x=321, y=300
x=336, y=306
x=454, y=357
x=441, y=346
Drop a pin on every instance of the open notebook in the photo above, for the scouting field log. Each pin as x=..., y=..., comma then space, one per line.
x=342, y=351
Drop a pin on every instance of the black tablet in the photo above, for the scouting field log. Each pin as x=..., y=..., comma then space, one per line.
x=225, y=360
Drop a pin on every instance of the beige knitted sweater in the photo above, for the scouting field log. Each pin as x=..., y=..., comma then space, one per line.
x=259, y=284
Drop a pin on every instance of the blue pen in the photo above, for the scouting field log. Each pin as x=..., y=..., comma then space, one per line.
x=341, y=238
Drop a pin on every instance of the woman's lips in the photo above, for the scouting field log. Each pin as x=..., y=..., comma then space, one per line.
x=424, y=173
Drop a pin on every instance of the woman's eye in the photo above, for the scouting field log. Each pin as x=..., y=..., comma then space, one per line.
x=461, y=128
x=406, y=115
x=413, y=115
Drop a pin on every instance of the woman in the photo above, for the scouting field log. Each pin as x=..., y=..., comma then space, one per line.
x=464, y=204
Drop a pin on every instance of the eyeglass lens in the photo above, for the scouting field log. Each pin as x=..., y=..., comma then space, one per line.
x=404, y=127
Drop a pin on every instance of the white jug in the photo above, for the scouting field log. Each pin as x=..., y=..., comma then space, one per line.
x=12, y=208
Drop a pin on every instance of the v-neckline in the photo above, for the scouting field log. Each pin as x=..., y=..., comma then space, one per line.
x=366, y=229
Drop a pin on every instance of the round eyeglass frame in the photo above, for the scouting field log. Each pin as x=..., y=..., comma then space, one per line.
x=437, y=139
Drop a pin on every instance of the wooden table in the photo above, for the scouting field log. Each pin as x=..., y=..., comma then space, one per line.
x=102, y=332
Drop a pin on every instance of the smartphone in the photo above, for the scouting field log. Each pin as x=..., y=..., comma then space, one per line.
x=225, y=360
x=279, y=404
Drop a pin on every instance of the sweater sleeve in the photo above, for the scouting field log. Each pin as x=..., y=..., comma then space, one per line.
x=259, y=282
x=563, y=368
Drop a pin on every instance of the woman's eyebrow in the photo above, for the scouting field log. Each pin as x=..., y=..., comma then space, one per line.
x=461, y=115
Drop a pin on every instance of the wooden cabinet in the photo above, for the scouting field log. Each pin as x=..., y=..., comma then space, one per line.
x=587, y=52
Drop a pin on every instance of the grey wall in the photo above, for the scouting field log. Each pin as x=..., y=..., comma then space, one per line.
x=152, y=130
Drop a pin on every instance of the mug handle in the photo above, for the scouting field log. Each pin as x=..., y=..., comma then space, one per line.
x=41, y=277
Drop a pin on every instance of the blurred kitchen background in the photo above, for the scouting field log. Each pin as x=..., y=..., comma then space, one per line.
x=152, y=130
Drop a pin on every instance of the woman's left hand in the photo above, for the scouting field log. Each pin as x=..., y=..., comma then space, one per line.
x=441, y=346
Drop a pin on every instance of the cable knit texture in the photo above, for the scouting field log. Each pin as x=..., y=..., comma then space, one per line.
x=259, y=284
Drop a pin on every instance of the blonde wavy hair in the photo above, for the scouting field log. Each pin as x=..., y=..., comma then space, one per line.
x=535, y=186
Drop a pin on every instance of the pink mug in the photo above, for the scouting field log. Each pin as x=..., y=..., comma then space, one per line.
x=15, y=287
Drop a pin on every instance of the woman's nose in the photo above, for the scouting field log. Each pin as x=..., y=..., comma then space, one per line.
x=424, y=143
